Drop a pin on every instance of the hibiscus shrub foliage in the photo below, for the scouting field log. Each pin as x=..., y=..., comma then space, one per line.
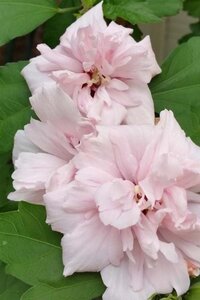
x=31, y=258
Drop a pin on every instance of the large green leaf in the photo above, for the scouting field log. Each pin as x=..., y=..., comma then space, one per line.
x=32, y=253
x=15, y=109
x=30, y=249
x=193, y=293
x=192, y=7
x=20, y=17
x=178, y=87
x=141, y=11
x=77, y=287
x=10, y=287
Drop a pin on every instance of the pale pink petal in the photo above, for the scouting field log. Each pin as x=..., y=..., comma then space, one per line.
x=175, y=199
x=191, y=250
x=28, y=195
x=84, y=102
x=56, y=215
x=126, y=281
x=57, y=58
x=175, y=276
x=116, y=204
x=137, y=93
x=92, y=247
x=169, y=251
x=61, y=177
x=142, y=64
x=23, y=144
x=127, y=239
x=118, y=30
x=58, y=108
x=94, y=18
x=117, y=84
x=153, y=66
x=194, y=208
x=51, y=104
x=113, y=115
x=69, y=81
x=68, y=204
x=143, y=113
x=50, y=139
x=131, y=140
x=97, y=150
x=172, y=137
x=93, y=176
x=33, y=170
x=56, y=198
x=146, y=234
x=34, y=78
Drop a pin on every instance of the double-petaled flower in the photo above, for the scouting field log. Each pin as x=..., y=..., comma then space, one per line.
x=102, y=68
x=131, y=209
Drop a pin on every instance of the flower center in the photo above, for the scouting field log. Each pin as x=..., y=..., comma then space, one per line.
x=138, y=193
x=143, y=203
x=141, y=199
x=96, y=80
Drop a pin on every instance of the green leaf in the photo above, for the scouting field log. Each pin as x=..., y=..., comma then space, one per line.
x=56, y=26
x=141, y=11
x=195, y=31
x=178, y=87
x=192, y=7
x=193, y=293
x=32, y=253
x=20, y=17
x=15, y=109
x=79, y=286
x=30, y=249
x=10, y=287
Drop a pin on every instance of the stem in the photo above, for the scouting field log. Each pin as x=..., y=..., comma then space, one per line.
x=68, y=9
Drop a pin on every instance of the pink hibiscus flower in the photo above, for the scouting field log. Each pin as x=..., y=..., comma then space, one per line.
x=131, y=209
x=45, y=146
x=102, y=68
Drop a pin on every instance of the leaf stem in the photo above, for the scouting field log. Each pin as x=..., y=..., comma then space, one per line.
x=68, y=9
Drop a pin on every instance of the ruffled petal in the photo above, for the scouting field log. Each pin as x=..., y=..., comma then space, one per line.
x=50, y=139
x=126, y=281
x=101, y=247
x=33, y=170
x=94, y=18
x=34, y=78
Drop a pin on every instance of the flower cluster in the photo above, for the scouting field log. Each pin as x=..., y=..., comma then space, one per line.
x=121, y=189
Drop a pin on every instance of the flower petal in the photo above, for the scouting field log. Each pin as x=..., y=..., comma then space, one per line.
x=101, y=247
x=23, y=144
